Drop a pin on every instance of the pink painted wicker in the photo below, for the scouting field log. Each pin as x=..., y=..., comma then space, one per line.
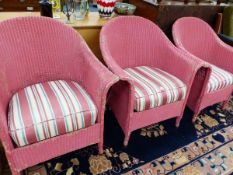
x=197, y=38
x=128, y=42
x=39, y=49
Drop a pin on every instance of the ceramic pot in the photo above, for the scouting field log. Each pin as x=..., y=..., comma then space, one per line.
x=106, y=7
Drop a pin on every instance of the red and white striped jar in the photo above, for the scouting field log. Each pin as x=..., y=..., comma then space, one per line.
x=106, y=7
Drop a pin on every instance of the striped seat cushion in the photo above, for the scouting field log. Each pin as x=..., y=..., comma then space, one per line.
x=154, y=87
x=46, y=110
x=219, y=79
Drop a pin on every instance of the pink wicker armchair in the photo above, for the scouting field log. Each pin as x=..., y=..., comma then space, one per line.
x=198, y=39
x=138, y=52
x=40, y=59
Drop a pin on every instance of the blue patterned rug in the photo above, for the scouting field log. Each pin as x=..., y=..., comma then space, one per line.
x=205, y=147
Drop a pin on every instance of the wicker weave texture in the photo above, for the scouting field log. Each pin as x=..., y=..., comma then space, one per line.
x=134, y=41
x=39, y=49
x=198, y=39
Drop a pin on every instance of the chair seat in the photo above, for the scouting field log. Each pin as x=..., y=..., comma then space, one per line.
x=219, y=79
x=49, y=109
x=155, y=87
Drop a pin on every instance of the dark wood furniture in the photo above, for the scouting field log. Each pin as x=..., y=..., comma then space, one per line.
x=218, y=23
x=19, y=5
x=165, y=15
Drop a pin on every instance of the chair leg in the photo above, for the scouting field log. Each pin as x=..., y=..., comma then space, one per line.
x=126, y=140
x=100, y=148
x=224, y=105
x=178, y=119
x=14, y=172
x=195, y=116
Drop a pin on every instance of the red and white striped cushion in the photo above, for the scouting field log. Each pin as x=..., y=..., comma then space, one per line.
x=219, y=79
x=154, y=87
x=46, y=110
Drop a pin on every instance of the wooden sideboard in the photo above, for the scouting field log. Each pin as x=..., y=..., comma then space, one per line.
x=24, y=5
x=164, y=15
x=19, y=5
x=89, y=28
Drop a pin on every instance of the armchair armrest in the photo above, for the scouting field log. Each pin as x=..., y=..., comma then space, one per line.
x=123, y=92
x=112, y=64
x=194, y=72
x=96, y=79
x=184, y=66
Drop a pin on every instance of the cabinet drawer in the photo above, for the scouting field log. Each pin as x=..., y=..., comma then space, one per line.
x=19, y=5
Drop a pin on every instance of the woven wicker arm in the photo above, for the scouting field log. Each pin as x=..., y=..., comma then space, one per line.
x=97, y=79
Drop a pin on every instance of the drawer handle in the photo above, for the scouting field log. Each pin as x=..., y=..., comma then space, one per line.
x=30, y=8
x=1, y=8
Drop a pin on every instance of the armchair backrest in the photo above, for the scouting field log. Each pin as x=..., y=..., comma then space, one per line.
x=195, y=36
x=133, y=41
x=37, y=49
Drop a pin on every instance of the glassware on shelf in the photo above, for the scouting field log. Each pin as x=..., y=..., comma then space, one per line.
x=56, y=6
x=68, y=10
x=80, y=9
